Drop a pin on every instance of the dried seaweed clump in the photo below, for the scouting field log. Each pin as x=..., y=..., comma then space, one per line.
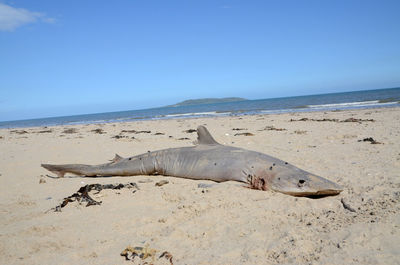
x=70, y=130
x=45, y=131
x=272, y=128
x=371, y=140
x=82, y=195
x=190, y=131
x=98, y=131
x=19, y=131
x=134, y=131
x=130, y=253
x=244, y=133
x=357, y=120
x=336, y=120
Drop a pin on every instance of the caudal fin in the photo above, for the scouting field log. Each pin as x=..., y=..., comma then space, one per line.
x=56, y=169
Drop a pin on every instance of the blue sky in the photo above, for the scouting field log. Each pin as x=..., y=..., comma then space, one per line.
x=70, y=57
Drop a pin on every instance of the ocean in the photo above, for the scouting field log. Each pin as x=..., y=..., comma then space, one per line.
x=323, y=102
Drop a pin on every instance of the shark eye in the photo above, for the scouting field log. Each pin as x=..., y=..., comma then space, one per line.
x=301, y=182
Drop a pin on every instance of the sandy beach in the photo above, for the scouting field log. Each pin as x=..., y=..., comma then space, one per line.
x=210, y=223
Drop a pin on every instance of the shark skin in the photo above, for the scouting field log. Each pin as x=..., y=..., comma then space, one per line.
x=209, y=160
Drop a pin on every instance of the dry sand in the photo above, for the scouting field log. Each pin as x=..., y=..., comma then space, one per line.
x=222, y=223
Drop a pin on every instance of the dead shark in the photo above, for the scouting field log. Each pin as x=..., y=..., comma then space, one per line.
x=209, y=160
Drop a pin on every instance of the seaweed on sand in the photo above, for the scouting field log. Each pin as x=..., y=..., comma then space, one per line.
x=82, y=195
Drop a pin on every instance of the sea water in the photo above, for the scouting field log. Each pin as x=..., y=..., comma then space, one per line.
x=323, y=102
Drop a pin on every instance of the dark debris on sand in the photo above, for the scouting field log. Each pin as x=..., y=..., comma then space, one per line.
x=70, y=130
x=347, y=206
x=82, y=195
x=128, y=131
x=371, y=140
x=272, y=128
x=122, y=136
x=357, y=120
x=19, y=131
x=335, y=120
x=134, y=131
x=319, y=120
x=244, y=134
x=45, y=131
x=143, y=253
x=98, y=131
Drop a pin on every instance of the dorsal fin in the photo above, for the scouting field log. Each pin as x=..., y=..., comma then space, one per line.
x=204, y=136
x=117, y=158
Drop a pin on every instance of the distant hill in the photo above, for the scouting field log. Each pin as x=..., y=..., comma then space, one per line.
x=206, y=101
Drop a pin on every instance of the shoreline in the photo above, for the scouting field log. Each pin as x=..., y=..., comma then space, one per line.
x=214, y=223
x=323, y=102
x=204, y=115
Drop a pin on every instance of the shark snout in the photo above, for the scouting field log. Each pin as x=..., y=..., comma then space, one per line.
x=321, y=186
x=305, y=184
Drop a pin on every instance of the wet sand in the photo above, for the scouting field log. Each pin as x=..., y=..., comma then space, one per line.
x=202, y=222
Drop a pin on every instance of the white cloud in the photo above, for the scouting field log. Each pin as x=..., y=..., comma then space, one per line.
x=12, y=18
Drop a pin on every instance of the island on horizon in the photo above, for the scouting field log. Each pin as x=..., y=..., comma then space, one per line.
x=200, y=101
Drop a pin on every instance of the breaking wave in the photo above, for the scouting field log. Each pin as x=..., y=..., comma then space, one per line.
x=371, y=103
